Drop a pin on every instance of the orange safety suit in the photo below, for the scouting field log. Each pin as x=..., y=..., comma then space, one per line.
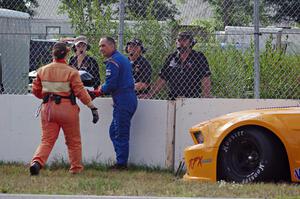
x=60, y=79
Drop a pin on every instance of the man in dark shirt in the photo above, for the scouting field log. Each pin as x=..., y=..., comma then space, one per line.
x=81, y=61
x=186, y=72
x=141, y=67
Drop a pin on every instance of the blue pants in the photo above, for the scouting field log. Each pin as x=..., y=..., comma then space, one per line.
x=124, y=108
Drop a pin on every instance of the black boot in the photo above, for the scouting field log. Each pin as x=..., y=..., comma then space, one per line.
x=118, y=167
x=35, y=169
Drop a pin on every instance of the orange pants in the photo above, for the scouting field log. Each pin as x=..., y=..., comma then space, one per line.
x=56, y=116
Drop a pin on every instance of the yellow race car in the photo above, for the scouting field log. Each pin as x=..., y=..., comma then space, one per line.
x=247, y=146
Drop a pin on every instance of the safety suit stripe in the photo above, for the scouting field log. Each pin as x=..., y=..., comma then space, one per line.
x=56, y=86
x=115, y=63
x=110, y=60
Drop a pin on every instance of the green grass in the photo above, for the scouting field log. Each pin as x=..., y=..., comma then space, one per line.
x=233, y=74
x=137, y=181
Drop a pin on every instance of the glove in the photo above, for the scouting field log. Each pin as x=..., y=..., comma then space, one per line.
x=95, y=115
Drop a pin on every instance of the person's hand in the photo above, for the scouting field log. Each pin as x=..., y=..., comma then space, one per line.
x=95, y=115
x=95, y=93
x=140, y=86
x=144, y=96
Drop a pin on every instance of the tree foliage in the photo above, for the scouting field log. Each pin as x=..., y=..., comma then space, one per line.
x=235, y=12
x=240, y=12
x=20, y=5
x=90, y=17
x=93, y=16
x=284, y=10
x=160, y=9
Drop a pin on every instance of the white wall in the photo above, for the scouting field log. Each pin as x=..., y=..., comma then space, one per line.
x=154, y=127
x=151, y=132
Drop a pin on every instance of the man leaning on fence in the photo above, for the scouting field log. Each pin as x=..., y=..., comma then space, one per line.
x=186, y=72
x=120, y=84
x=58, y=84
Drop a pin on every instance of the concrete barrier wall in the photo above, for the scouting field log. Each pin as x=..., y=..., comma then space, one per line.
x=150, y=140
x=159, y=130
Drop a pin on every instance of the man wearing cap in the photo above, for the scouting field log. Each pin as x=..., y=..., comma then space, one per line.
x=141, y=67
x=57, y=84
x=186, y=72
x=81, y=61
x=120, y=84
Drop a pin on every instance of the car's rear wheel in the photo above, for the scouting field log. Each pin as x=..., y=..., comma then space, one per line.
x=248, y=155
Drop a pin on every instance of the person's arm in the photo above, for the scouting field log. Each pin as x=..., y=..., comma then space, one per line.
x=205, y=81
x=161, y=81
x=111, y=79
x=79, y=90
x=155, y=88
x=141, y=86
x=206, y=87
x=145, y=79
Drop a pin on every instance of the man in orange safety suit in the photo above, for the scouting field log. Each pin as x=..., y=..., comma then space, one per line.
x=57, y=84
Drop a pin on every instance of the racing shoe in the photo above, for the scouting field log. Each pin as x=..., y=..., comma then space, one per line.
x=35, y=169
x=118, y=167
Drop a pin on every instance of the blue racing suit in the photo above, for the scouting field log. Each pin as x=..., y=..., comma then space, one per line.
x=120, y=84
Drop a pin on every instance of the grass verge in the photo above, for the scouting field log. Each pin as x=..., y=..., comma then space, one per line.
x=137, y=181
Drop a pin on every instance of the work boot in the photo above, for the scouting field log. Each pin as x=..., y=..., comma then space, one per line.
x=35, y=169
x=118, y=167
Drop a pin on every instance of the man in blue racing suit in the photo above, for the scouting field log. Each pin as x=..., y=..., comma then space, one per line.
x=119, y=83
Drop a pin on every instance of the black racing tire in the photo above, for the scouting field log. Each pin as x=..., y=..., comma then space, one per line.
x=248, y=155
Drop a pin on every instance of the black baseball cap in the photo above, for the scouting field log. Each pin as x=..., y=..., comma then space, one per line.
x=136, y=42
x=185, y=35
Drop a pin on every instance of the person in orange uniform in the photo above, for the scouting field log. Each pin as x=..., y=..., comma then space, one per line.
x=57, y=84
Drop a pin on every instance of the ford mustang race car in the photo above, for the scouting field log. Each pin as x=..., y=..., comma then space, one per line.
x=247, y=146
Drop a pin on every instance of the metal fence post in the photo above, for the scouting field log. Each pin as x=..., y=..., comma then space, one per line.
x=256, y=53
x=121, y=24
x=1, y=85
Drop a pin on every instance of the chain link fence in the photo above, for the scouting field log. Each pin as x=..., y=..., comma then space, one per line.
x=241, y=48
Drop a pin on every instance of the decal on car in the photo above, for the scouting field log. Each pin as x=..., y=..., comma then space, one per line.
x=198, y=161
x=195, y=161
x=297, y=173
